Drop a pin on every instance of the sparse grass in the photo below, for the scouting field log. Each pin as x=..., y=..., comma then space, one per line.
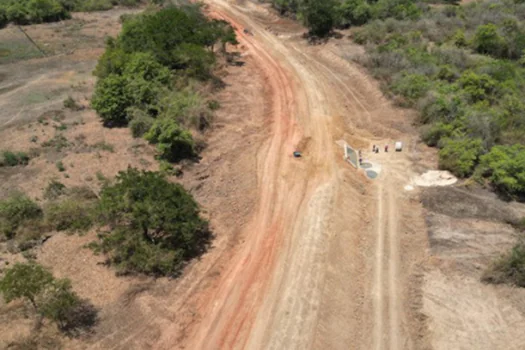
x=104, y=146
x=60, y=127
x=508, y=269
x=54, y=190
x=101, y=178
x=58, y=142
x=14, y=158
x=14, y=46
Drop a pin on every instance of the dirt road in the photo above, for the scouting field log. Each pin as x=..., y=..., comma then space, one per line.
x=320, y=267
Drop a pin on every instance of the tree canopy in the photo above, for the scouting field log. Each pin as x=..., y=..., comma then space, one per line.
x=25, y=281
x=505, y=167
x=155, y=224
x=50, y=297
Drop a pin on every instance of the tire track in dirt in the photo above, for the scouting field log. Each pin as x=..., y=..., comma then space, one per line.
x=393, y=299
x=378, y=273
x=269, y=296
x=386, y=299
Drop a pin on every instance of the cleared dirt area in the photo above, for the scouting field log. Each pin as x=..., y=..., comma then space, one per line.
x=308, y=253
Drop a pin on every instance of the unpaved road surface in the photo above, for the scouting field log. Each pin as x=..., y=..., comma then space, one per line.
x=321, y=264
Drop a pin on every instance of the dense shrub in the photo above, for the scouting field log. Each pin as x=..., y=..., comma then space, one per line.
x=25, y=281
x=14, y=158
x=319, y=17
x=462, y=68
x=460, y=156
x=15, y=211
x=32, y=11
x=173, y=142
x=111, y=99
x=95, y=5
x=412, y=86
x=140, y=122
x=145, y=74
x=488, y=41
x=353, y=12
x=156, y=224
x=505, y=167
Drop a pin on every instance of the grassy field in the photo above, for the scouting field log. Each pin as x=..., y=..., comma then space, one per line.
x=14, y=46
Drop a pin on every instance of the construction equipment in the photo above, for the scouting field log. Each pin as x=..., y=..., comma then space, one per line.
x=399, y=146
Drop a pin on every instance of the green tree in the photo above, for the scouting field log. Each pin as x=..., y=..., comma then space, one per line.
x=411, y=86
x=460, y=156
x=111, y=99
x=477, y=87
x=173, y=142
x=25, y=281
x=112, y=60
x=156, y=224
x=353, y=12
x=505, y=167
x=488, y=41
x=50, y=297
x=319, y=17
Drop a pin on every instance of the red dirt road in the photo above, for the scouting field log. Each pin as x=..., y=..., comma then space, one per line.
x=274, y=293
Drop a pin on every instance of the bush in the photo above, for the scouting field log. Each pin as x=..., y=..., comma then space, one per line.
x=140, y=122
x=32, y=11
x=505, y=167
x=477, y=87
x=411, y=86
x=353, y=12
x=14, y=159
x=60, y=166
x=111, y=99
x=71, y=215
x=319, y=17
x=156, y=224
x=25, y=281
x=433, y=134
x=488, y=41
x=173, y=142
x=187, y=108
x=510, y=268
x=70, y=103
x=15, y=211
x=54, y=190
x=460, y=156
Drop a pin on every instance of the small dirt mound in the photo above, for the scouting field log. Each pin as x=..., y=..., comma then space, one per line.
x=435, y=178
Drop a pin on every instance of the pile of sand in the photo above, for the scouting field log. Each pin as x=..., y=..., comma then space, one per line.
x=434, y=178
